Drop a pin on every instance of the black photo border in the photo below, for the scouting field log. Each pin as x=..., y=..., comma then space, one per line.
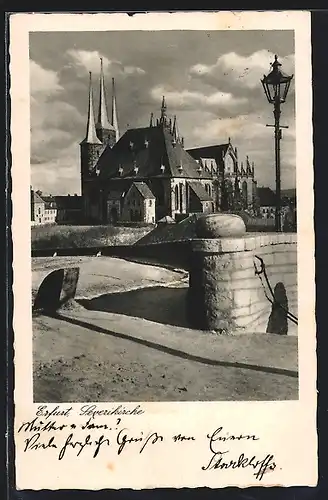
x=319, y=28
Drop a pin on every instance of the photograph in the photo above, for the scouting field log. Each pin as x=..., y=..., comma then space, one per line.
x=163, y=250
x=163, y=214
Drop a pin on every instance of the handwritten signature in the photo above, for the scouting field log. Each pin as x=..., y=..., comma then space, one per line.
x=218, y=459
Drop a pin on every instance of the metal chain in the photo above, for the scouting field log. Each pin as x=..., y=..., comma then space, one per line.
x=272, y=301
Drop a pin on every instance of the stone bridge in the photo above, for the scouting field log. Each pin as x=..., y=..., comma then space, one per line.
x=238, y=281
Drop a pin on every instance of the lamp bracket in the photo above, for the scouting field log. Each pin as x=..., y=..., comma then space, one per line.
x=280, y=126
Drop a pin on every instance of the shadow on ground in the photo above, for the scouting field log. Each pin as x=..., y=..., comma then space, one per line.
x=159, y=304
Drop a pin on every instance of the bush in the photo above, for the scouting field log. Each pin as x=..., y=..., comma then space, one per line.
x=44, y=237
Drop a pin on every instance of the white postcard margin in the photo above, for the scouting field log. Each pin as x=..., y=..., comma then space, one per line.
x=287, y=430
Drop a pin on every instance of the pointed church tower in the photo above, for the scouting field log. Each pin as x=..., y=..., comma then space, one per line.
x=175, y=129
x=163, y=118
x=91, y=146
x=114, y=111
x=105, y=131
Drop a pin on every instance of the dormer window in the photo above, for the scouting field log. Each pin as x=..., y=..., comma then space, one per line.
x=180, y=167
x=199, y=169
x=120, y=170
x=162, y=169
x=131, y=144
x=135, y=169
x=174, y=142
x=146, y=143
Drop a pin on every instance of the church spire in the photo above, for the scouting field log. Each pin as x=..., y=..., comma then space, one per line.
x=175, y=131
x=91, y=135
x=114, y=111
x=103, y=122
x=163, y=111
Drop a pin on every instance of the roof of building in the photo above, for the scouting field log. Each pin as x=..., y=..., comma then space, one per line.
x=116, y=195
x=148, y=149
x=200, y=191
x=65, y=202
x=167, y=220
x=50, y=205
x=209, y=163
x=217, y=151
x=37, y=198
x=289, y=193
x=267, y=197
x=144, y=190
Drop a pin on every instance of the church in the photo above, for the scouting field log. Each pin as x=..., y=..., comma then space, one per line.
x=147, y=175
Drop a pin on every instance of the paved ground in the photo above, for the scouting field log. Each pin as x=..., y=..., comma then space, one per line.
x=134, y=345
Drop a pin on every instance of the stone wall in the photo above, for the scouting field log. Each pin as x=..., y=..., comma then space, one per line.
x=226, y=293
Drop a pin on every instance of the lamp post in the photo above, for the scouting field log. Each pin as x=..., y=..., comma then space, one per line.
x=276, y=85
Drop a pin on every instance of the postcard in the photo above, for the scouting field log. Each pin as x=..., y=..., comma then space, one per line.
x=163, y=250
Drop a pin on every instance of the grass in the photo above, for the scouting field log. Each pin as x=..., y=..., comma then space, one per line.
x=63, y=236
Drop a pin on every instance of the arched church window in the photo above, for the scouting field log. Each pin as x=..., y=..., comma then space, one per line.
x=181, y=197
x=176, y=197
x=244, y=192
x=229, y=164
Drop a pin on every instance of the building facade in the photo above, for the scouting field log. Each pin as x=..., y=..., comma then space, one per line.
x=43, y=211
x=139, y=204
x=182, y=181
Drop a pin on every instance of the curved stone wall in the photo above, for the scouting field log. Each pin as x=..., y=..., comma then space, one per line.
x=228, y=291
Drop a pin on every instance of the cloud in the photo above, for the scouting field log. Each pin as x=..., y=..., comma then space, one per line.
x=43, y=81
x=240, y=71
x=185, y=99
x=240, y=126
x=250, y=134
x=86, y=60
x=59, y=175
x=54, y=122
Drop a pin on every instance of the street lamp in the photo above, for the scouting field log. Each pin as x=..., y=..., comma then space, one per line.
x=276, y=85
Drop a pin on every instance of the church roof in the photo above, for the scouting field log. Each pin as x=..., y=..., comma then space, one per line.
x=148, y=149
x=200, y=191
x=216, y=151
x=144, y=190
x=209, y=163
x=116, y=195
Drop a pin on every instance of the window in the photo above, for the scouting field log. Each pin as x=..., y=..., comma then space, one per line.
x=180, y=196
x=229, y=164
x=176, y=197
x=39, y=211
x=150, y=202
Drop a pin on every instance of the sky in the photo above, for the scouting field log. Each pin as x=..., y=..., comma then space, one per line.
x=211, y=81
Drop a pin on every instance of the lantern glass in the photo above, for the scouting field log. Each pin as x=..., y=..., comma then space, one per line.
x=276, y=84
